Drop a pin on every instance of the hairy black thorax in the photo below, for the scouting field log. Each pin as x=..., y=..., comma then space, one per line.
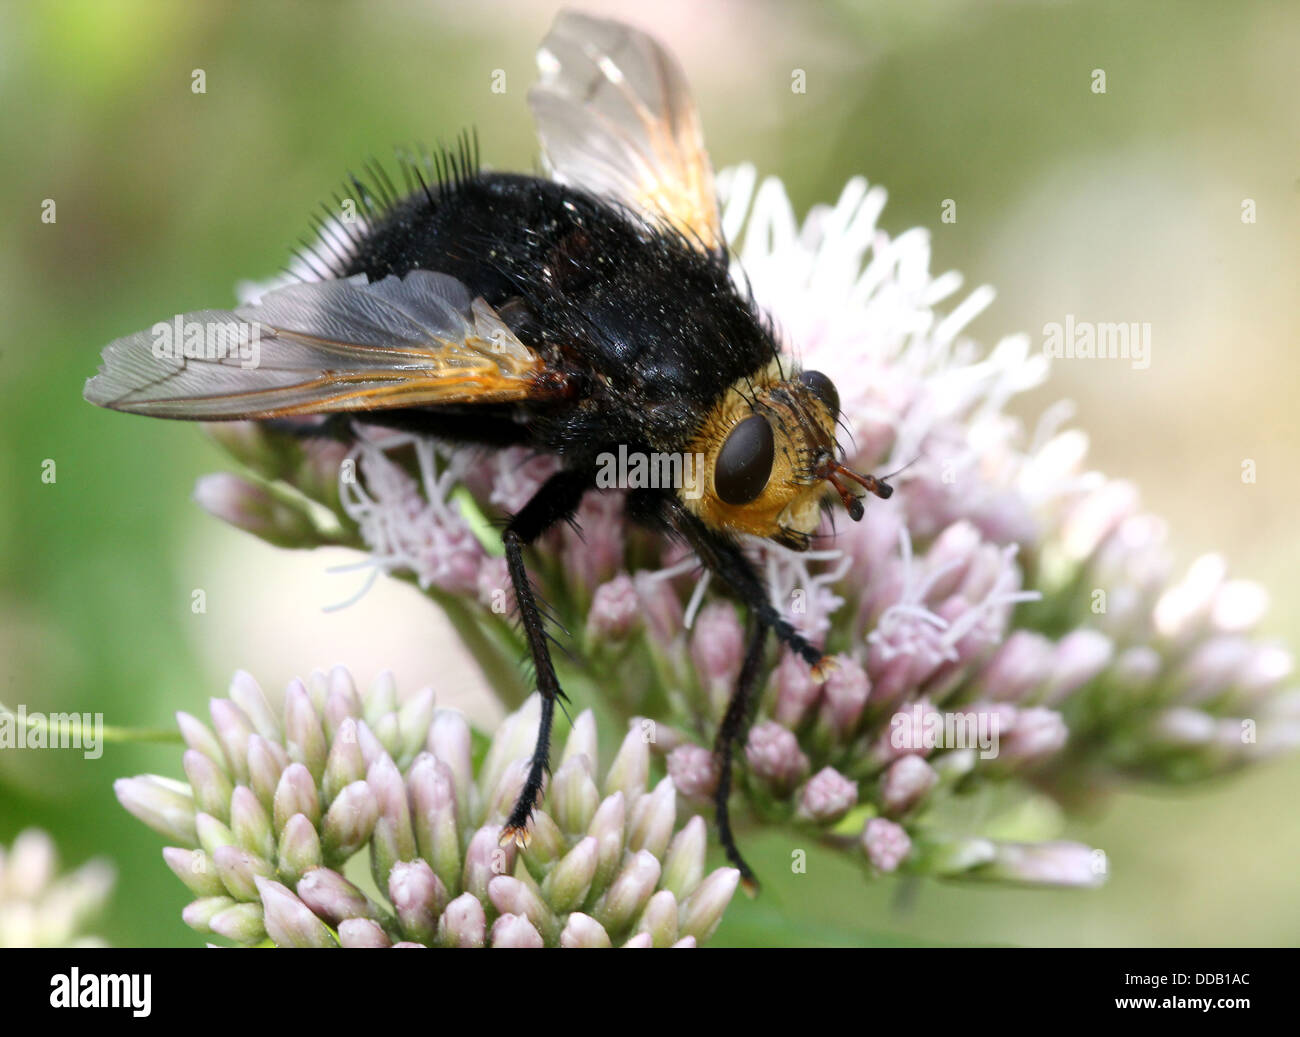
x=649, y=329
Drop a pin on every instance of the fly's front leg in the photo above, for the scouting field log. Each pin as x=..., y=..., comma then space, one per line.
x=556, y=501
x=723, y=557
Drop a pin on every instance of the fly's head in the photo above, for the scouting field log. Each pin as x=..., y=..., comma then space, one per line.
x=770, y=458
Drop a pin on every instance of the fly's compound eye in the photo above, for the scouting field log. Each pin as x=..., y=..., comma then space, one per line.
x=745, y=461
x=824, y=389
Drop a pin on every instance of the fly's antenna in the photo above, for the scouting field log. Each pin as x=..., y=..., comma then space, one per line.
x=836, y=474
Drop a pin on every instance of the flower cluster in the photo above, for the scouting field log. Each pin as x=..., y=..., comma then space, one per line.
x=41, y=908
x=1008, y=633
x=364, y=821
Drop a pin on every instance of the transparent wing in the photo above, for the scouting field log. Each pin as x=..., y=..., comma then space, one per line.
x=322, y=346
x=616, y=118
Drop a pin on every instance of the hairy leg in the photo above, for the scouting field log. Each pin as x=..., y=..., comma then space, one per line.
x=723, y=557
x=730, y=733
x=556, y=501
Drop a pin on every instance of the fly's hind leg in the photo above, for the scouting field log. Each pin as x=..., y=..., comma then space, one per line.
x=732, y=728
x=556, y=501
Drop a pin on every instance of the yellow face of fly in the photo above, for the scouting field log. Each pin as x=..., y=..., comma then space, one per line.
x=766, y=447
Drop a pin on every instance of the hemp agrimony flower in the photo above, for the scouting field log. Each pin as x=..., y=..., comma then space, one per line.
x=340, y=818
x=1004, y=587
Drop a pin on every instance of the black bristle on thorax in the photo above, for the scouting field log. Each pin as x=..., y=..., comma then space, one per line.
x=342, y=230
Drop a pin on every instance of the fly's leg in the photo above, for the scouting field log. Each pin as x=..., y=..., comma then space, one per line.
x=556, y=501
x=723, y=557
x=734, y=723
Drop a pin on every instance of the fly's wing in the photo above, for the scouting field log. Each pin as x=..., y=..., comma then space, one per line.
x=616, y=118
x=323, y=346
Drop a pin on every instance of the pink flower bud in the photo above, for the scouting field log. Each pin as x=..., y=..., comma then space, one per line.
x=845, y=696
x=775, y=758
x=907, y=781
x=615, y=609
x=693, y=772
x=885, y=843
x=1018, y=667
x=796, y=690
x=1080, y=656
x=717, y=645
x=827, y=797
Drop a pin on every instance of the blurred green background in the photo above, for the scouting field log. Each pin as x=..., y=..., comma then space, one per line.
x=1117, y=207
